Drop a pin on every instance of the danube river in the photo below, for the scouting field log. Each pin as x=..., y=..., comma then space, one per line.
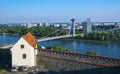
x=110, y=49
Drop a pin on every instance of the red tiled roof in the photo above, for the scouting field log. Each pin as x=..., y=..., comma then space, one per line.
x=30, y=39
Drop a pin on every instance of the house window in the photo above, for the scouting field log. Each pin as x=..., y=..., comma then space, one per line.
x=22, y=46
x=24, y=56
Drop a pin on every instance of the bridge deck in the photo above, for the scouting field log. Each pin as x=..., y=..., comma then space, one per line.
x=52, y=38
x=57, y=37
x=7, y=46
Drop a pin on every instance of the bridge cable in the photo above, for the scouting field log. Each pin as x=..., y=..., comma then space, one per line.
x=50, y=34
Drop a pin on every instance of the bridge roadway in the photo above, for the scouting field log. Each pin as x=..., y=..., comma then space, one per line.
x=57, y=37
x=52, y=38
x=7, y=46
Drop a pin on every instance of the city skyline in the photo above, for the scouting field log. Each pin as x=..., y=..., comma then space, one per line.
x=35, y=11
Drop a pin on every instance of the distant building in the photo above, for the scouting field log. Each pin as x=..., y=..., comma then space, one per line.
x=29, y=25
x=56, y=25
x=35, y=25
x=79, y=27
x=108, y=23
x=24, y=25
x=65, y=26
x=24, y=51
x=47, y=24
x=40, y=24
x=87, y=26
x=118, y=25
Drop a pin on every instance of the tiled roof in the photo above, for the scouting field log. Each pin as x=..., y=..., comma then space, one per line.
x=30, y=39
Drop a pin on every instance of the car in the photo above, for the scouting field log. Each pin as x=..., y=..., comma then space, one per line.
x=14, y=69
x=30, y=73
x=22, y=68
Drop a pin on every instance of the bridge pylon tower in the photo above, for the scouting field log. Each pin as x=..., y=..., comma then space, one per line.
x=73, y=27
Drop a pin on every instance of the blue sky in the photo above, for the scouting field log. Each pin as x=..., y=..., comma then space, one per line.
x=35, y=11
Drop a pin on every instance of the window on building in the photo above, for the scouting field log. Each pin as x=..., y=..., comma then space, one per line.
x=24, y=56
x=22, y=46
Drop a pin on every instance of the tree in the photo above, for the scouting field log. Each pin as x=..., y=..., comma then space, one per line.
x=93, y=53
x=57, y=48
x=1, y=69
x=94, y=36
x=106, y=36
x=48, y=47
x=118, y=34
x=67, y=50
x=79, y=37
x=38, y=46
x=112, y=36
x=86, y=36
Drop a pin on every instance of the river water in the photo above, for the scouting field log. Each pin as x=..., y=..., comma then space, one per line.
x=8, y=39
x=110, y=49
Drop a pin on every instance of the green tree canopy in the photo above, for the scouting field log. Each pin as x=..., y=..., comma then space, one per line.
x=48, y=47
x=93, y=53
x=38, y=45
x=67, y=50
x=57, y=48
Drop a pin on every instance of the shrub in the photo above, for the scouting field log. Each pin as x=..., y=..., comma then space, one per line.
x=57, y=48
x=1, y=69
x=48, y=47
x=93, y=53
x=67, y=50
x=38, y=46
x=0, y=48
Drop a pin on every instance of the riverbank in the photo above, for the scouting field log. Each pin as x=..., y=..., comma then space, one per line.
x=85, y=40
x=96, y=41
x=9, y=34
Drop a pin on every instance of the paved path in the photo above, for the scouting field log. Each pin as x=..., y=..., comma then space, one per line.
x=6, y=72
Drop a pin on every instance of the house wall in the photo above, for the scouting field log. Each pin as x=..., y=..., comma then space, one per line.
x=17, y=54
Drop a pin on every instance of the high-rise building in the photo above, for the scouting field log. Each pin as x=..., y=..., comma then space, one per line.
x=87, y=26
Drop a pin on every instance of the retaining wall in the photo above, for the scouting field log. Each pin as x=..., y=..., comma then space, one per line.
x=99, y=60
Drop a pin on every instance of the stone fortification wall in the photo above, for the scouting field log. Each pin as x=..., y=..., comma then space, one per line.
x=57, y=60
x=99, y=60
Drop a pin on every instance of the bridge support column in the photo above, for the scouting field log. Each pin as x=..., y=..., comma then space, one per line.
x=73, y=27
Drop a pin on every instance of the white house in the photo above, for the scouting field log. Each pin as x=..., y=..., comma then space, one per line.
x=24, y=51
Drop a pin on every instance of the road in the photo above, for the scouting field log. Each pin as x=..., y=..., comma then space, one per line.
x=19, y=72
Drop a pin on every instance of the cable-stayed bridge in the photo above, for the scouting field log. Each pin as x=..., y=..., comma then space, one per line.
x=56, y=37
x=71, y=33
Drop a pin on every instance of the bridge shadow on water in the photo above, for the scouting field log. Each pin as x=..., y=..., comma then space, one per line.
x=115, y=70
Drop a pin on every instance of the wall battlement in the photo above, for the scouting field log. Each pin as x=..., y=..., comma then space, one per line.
x=82, y=58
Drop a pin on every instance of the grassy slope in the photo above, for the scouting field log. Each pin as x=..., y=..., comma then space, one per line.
x=1, y=69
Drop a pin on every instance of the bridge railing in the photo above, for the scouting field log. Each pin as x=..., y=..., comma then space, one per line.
x=99, y=60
